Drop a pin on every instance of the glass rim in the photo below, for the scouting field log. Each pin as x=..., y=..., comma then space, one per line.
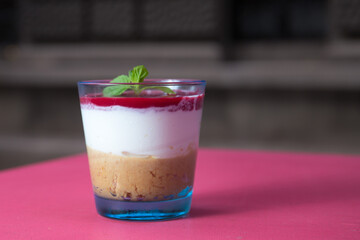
x=146, y=82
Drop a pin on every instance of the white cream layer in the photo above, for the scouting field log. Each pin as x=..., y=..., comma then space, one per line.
x=130, y=131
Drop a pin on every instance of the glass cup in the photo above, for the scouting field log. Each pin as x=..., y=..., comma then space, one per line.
x=142, y=147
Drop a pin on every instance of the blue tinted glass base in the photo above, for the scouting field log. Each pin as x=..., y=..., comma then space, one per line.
x=143, y=211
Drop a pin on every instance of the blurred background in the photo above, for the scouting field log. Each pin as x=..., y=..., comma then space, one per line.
x=282, y=75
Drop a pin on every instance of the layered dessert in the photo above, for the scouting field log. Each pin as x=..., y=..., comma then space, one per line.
x=142, y=148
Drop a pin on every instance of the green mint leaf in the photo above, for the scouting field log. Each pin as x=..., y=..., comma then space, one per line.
x=164, y=89
x=115, y=90
x=138, y=74
x=121, y=79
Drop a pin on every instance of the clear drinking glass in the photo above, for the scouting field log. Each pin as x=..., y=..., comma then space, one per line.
x=142, y=147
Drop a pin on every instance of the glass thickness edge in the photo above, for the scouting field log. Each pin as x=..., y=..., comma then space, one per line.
x=147, y=82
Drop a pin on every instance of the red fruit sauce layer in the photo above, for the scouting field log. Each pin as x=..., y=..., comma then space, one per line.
x=185, y=103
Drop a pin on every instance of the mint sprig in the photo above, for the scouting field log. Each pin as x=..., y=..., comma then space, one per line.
x=136, y=75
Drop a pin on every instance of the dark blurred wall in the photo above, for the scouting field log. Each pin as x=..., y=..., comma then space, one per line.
x=8, y=22
x=282, y=75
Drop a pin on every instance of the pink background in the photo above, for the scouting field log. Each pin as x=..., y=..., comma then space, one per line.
x=238, y=195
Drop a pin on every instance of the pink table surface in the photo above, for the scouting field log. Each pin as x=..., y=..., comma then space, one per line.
x=238, y=195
